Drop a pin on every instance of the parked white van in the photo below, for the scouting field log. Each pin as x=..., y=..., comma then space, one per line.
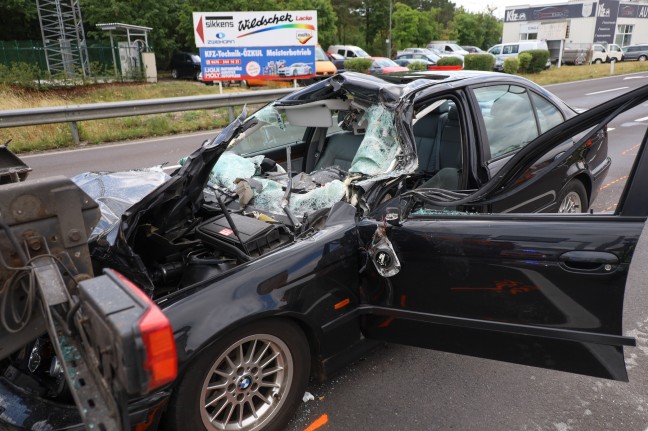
x=348, y=51
x=503, y=51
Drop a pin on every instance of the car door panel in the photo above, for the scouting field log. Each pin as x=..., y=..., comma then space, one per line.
x=544, y=291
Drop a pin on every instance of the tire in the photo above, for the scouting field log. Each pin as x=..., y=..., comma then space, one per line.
x=197, y=76
x=598, y=61
x=226, y=385
x=573, y=198
x=174, y=74
x=642, y=58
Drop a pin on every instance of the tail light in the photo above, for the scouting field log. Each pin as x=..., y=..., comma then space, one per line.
x=161, y=360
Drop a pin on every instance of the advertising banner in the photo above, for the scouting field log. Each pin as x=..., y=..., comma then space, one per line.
x=291, y=62
x=264, y=45
x=255, y=29
x=563, y=11
x=633, y=11
x=606, y=18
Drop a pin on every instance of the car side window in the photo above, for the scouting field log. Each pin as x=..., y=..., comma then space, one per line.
x=508, y=118
x=510, y=49
x=548, y=115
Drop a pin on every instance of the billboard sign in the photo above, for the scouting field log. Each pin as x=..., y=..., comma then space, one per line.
x=292, y=62
x=606, y=19
x=264, y=45
x=564, y=11
x=255, y=29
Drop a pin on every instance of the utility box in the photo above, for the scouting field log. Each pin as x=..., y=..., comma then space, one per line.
x=150, y=68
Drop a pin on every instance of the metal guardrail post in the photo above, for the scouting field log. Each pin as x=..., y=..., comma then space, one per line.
x=75, y=132
x=232, y=116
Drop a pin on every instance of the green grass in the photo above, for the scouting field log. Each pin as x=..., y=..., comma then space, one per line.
x=54, y=136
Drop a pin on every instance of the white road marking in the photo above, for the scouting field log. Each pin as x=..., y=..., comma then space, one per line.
x=171, y=167
x=634, y=77
x=611, y=128
x=641, y=119
x=606, y=91
x=123, y=144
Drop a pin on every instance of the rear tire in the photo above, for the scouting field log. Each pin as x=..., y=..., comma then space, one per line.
x=642, y=58
x=174, y=74
x=598, y=61
x=573, y=198
x=251, y=379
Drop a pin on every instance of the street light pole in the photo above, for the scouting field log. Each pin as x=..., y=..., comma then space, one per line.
x=389, y=37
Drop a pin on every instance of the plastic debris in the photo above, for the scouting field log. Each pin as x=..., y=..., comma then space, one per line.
x=115, y=192
x=308, y=397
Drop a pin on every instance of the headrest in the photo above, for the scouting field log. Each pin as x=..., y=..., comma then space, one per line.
x=453, y=114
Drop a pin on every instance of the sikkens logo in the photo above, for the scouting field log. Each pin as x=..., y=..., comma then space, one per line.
x=219, y=21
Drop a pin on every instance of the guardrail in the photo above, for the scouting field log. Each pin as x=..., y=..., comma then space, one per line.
x=98, y=111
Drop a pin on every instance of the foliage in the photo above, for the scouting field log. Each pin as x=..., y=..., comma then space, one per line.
x=449, y=61
x=358, y=64
x=479, y=62
x=478, y=29
x=21, y=74
x=19, y=20
x=539, y=58
x=525, y=61
x=417, y=65
x=411, y=27
x=511, y=65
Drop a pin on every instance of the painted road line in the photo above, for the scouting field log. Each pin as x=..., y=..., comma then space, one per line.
x=611, y=128
x=606, y=91
x=625, y=177
x=641, y=119
x=171, y=167
x=634, y=77
x=630, y=149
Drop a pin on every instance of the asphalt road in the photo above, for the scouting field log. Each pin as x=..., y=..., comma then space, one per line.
x=406, y=388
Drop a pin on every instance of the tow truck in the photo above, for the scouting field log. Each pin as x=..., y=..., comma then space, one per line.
x=107, y=341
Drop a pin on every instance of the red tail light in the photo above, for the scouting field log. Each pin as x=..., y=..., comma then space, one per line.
x=157, y=335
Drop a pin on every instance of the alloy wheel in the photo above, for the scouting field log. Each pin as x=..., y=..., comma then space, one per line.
x=571, y=203
x=247, y=384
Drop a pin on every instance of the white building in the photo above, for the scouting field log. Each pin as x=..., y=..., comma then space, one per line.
x=578, y=23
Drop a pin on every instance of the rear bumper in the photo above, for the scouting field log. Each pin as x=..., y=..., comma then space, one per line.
x=20, y=410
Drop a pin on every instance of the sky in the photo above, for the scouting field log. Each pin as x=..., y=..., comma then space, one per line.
x=480, y=5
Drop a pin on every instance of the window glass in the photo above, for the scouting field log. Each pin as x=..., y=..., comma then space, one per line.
x=508, y=117
x=495, y=50
x=273, y=131
x=548, y=115
x=510, y=49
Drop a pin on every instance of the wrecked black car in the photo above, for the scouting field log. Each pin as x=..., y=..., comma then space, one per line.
x=300, y=236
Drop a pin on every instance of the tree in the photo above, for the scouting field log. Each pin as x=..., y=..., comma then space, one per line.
x=19, y=20
x=405, y=26
x=160, y=15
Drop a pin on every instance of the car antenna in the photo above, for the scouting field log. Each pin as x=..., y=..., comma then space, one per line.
x=231, y=223
x=286, y=198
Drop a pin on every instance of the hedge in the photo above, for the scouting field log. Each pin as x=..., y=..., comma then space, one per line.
x=479, y=62
x=525, y=61
x=511, y=65
x=539, y=59
x=361, y=65
x=417, y=65
x=449, y=61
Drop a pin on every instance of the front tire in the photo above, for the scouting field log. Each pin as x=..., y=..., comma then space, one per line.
x=642, y=58
x=250, y=380
x=573, y=198
x=174, y=74
x=598, y=61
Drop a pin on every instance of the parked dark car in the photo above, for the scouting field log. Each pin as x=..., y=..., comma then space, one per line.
x=338, y=60
x=185, y=65
x=269, y=278
x=473, y=49
x=427, y=58
x=635, y=52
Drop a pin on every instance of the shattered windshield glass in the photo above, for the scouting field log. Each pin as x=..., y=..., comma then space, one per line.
x=378, y=149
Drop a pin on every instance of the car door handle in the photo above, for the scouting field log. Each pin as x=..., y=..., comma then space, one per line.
x=589, y=260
